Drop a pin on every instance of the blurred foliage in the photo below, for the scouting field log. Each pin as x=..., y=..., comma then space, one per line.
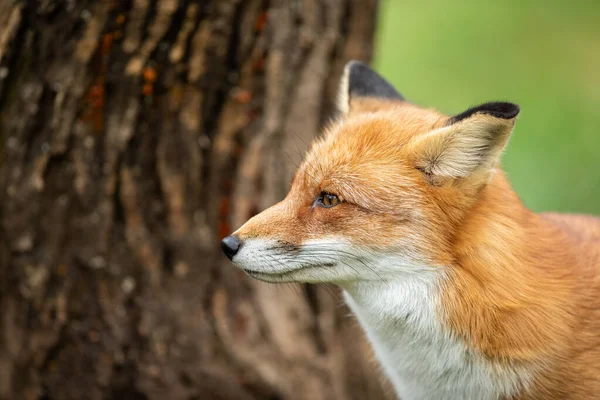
x=542, y=55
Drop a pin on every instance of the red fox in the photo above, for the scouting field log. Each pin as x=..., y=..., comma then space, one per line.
x=462, y=291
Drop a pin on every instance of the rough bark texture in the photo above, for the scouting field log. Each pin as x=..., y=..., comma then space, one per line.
x=134, y=135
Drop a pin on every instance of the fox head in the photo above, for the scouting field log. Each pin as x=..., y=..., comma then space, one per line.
x=382, y=193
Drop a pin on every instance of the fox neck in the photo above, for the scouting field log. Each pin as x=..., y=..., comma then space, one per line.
x=417, y=352
x=508, y=293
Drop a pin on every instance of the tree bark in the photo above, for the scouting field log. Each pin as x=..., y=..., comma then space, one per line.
x=134, y=135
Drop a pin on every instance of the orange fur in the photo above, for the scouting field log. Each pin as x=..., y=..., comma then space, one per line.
x=526, y=289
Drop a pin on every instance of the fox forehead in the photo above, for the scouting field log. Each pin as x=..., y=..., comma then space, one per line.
x=361, y=157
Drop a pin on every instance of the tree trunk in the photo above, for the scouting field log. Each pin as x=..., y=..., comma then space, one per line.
x=134, y=135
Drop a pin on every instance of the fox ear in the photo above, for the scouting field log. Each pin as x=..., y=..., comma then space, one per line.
x=359, y=80
x=469, y=142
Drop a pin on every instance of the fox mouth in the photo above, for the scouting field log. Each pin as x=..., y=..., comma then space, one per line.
x=269, y=276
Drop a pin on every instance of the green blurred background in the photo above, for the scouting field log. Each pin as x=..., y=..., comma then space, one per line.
x=544, y=56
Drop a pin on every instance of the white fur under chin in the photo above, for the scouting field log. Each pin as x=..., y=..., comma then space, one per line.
x=422, y=361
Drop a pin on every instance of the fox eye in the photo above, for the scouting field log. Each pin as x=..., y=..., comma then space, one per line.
x=327, y=200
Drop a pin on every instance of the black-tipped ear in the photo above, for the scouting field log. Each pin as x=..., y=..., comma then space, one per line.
x=469, y=142
x=361, y=81
x=497, y=109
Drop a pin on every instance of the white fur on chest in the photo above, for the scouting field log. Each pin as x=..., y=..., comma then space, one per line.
x=421, y=359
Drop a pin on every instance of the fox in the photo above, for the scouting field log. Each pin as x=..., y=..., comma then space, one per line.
x=462, y=291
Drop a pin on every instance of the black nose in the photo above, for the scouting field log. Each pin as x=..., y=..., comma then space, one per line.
x=231, y=245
